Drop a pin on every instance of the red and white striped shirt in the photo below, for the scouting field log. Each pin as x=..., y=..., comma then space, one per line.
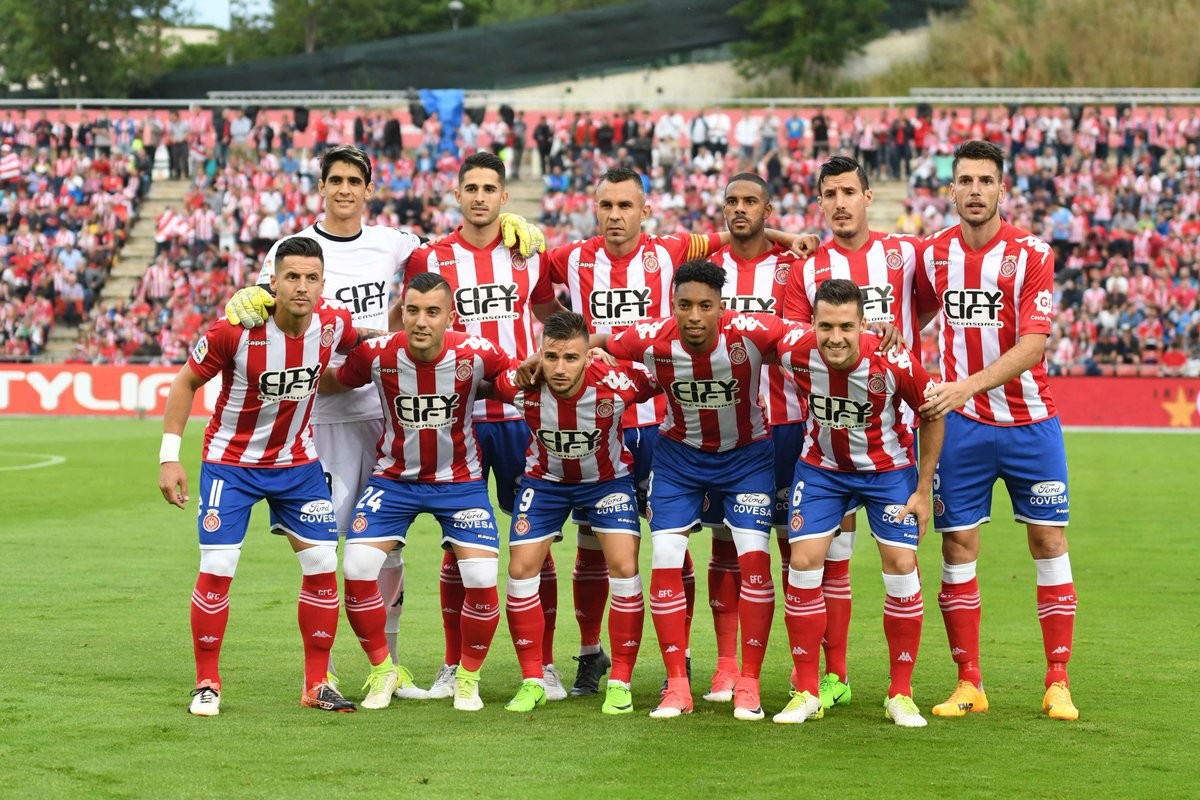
x=857, y=415
x=429, y=435
x=757, y=286
x=712, y=397
x=990, y=297
x=884, y=268
x=578, y=439
x=614, y=292
x=495, y=289
x=268, y=383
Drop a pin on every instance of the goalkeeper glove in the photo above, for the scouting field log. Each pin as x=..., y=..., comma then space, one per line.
x=249, y=307
x=516, y=230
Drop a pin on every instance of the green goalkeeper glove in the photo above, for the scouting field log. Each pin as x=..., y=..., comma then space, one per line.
x=249, y=307
x=516, y=230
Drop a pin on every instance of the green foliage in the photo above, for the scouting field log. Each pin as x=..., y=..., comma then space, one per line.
x=97, y=571
x=83, y=47
x=806, y=37
x=1065, y=43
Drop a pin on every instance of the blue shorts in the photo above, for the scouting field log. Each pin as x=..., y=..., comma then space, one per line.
x=682, y=476
x=502, y=448
x=640, y=443
x=787, y=440
x=608, y=506
x=821, y=498
x=298, y=498
x=1031, y=459
x=387, y=508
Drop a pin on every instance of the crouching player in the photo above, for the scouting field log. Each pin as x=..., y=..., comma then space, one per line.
x=577, y=460
x=258, y=445
x=858, y=451
x=427, y=377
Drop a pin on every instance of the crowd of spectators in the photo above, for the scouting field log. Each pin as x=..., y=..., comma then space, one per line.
x=68, y=194
x=1115, y=191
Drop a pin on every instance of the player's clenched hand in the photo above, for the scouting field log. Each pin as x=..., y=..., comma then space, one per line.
x=529, y=374
x=805, y=244
x=172, y=482
x=601, y=355
x=249, y=307
x=889, y=335
x=517, y=230
x=942, y=398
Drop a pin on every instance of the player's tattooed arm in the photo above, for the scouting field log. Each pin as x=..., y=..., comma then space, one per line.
x=368, y=333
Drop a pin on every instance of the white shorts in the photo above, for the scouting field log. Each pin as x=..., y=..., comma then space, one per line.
x=347, y=451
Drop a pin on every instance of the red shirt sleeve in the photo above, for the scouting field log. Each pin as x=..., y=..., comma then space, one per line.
x=1036, y=304
x=357, y=369
x=632, y=343
x=503, y=387
x=795, y=298
x=418, y=262
x=556, y=263
x=215, y=349
x=543, y=291
x=911, y=377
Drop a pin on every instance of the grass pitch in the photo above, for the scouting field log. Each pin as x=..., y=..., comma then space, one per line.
x=96, y=573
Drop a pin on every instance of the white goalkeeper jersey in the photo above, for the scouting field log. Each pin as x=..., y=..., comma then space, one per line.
x=360, y=271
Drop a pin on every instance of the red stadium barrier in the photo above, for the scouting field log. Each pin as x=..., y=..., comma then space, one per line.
x=82, y=390
x=1128, y=402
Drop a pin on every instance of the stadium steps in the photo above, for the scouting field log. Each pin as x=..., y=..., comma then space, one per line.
x=525, y=198
x=887, y=205
x=128, y=265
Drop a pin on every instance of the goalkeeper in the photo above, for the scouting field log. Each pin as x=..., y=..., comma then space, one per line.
x=362, y=264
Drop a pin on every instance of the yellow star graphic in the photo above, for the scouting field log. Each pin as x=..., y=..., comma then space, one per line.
x=1180, y=409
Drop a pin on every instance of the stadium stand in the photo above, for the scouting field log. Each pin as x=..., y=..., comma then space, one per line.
x=1115, y=191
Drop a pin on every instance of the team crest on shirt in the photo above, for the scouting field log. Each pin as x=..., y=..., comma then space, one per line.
x=876, y=383
x=604, y=409
x=327, y=335
x=212, y=521
x=650, y=262
x=1008, y=267
x=781, y=275
x=518, y=260
x=200, y=350
x=359, y=524
x=521, y=525
x=737, y=353
x=796, y=523
x=464, y=370
x=893, y=259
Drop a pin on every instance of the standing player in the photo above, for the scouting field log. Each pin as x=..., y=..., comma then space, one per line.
x=755, y=274
x=258, y=446
x=497, y=293
x=884, y=267
x=364, y=261
x=858, y=452
x=709, y=363
x=577, y=460
x=995, y=284
x=427, y=377
x=616, y=279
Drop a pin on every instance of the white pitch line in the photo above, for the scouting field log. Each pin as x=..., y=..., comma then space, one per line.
x=47, y=461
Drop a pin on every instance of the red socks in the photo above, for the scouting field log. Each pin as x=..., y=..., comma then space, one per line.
x=724, y=581
x=668, y=607
x=317, y=612
x=452, y=594
x=756, y=608
x=210, y=615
